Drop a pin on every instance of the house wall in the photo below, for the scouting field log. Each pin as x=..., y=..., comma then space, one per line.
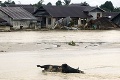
x=5, y=17
x=5, y=28
x=94, y=14
x=79, y=21
x=16, y=23
x=52, y=22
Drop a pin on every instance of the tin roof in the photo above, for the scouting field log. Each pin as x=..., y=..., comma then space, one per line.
x=17, y=13
x=29, y=8
x=110, y=14
x=64, y=11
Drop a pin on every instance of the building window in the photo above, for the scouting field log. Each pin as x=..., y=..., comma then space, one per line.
x=75, y=21
x=49, y=21
x=83, y=21
x=98, y=15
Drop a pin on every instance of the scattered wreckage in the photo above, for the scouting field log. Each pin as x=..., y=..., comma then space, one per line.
x=64, y=68
x=101, y=23
x=65, y=23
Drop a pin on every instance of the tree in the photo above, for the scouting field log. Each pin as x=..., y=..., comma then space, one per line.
x=59, y=3
x=49, y=4
x=117, y=9
x=67, y=2
x=0, y=3
x=13, y=2
x=108, y=6
x=39, y=4
x=6, y=2
x=84, y=4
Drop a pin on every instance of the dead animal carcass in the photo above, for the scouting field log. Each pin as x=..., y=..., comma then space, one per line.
x=64, y=68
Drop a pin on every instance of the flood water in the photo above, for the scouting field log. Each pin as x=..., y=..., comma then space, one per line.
x=97, y=53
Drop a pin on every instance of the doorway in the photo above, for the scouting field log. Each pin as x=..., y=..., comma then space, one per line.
x=43, y=22
x=21, y=27
x=98, y=15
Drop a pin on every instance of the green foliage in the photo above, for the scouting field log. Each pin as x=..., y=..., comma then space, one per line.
x=72, y=43
x=84, y=4
x=67, y=2
x=59, y=3
x=108, y=6
x=117, y=9
x=6, y=2
x=49, y=4
x=39, y=4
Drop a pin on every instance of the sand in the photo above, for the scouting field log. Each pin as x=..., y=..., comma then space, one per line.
x=97, y=53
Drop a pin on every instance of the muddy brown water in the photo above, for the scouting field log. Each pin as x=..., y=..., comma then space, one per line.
x=97, y=53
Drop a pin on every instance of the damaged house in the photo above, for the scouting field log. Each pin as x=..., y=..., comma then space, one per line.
x=103, y=23
x=109, y=20
x=113, y=16
x=48, y=15
x=18, y=17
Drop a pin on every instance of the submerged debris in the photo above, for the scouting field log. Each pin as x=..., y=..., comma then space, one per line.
x=2, y=51
x=72, y=43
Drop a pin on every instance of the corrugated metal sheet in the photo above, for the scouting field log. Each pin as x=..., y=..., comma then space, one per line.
x=116, y=19
x=93, y=9
x=112, y=14
x=89, y=8
x=17, y=13
x=29, y=8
